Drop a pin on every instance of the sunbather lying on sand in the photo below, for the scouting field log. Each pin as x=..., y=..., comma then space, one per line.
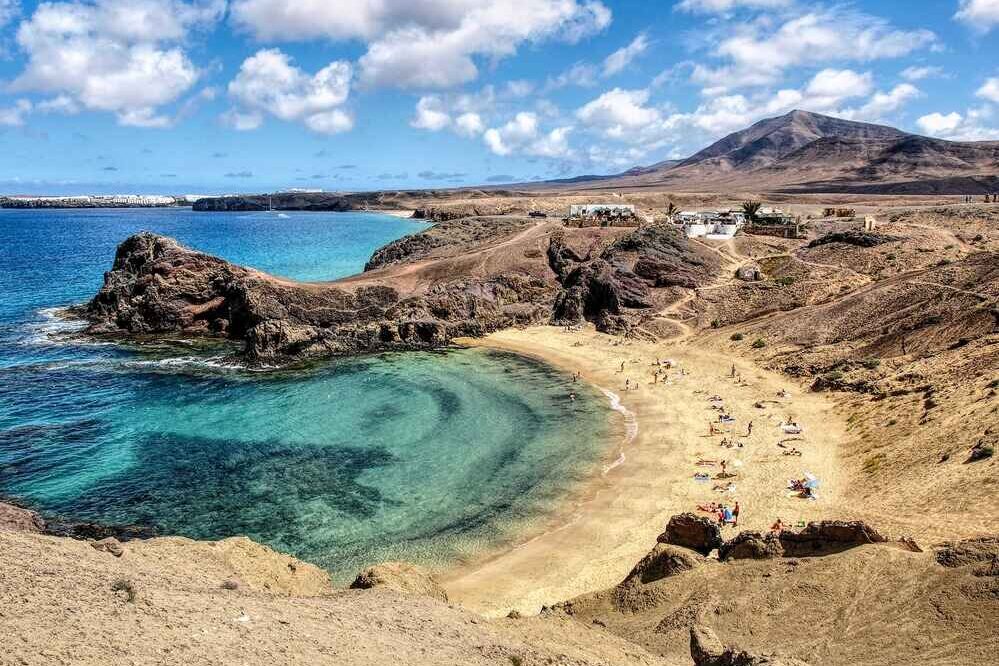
x=710, y=507
x=792, y=452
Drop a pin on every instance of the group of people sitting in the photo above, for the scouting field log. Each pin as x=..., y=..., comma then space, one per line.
x=804, y=487
x=726, y=515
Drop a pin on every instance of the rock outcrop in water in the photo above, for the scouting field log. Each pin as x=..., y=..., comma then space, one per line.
x=464, y=278
x=158, y=286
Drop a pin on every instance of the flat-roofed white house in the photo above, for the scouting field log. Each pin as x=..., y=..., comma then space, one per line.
x=711, y=224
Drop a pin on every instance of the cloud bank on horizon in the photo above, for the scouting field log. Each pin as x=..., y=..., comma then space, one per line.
x=488, y=87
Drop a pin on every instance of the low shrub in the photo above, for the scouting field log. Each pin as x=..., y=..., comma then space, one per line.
x=736, y=337
x=759, y=343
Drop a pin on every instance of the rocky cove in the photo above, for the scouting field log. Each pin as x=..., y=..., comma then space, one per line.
x=461, y=278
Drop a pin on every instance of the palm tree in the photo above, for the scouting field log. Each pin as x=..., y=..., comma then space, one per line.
x=751, y=209
x=671, y=211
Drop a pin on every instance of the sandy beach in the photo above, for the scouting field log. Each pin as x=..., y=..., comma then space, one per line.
x=616, y=518
x=396, y=213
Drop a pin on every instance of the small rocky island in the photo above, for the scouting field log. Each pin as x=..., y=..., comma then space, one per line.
x=464, y=278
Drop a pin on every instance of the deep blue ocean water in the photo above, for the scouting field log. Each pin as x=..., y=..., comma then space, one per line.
x=428, y=457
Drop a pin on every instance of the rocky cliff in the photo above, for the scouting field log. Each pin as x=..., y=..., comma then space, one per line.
x=464, y=279
x=158, y=286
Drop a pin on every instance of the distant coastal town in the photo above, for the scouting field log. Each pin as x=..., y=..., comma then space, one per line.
x=98, y=201
x=114, y=200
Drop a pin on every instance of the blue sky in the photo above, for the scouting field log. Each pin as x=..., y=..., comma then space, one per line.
x=207, y=96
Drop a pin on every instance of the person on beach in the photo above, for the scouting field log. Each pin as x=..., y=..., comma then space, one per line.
x=627, y=384
x=733, y=371
x=724, y=466
x=622, y=367
x=735, y=515
x=727, y=517
x=749, y=429
x=777, y=527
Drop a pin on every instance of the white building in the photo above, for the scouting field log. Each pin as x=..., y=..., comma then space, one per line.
x=711, y=224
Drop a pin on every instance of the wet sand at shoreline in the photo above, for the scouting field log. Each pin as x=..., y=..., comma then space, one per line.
x=614, y=520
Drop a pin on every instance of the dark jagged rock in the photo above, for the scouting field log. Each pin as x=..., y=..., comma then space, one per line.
x=98, y=532
x=827, y=537
x=461, y=234
x=282, y=201
x=706, y=649
x=620, y=279
x=970, y=552
x=854, y=237
x=158, y=286
x=692, y=531
x=751, y=546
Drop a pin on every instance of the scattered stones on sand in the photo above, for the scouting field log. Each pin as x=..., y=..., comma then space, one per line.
x=400, y=577
x=706, y=649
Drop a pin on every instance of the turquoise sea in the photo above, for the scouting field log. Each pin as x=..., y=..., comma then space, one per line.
x=427, y=457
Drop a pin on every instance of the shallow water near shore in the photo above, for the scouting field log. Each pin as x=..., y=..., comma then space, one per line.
x=428, y=457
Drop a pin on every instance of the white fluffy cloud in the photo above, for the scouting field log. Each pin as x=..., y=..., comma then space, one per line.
x=758, y=53
x=830, y=86
x=969, y=126
x=269, y=83
x=424, y=43
x=982, y=15
x=8, y=10
x=621, y=58
x=990, y=90
x=621, y=114
x=121, y=56
x=13, y=116
x=523, y=135
x=469, y=124
x=431, y=114
x=723, y=6
x=920, y=73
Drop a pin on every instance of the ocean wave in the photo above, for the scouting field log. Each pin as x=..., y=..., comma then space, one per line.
x=181, y=363
x=630, y=428
x=55, y=329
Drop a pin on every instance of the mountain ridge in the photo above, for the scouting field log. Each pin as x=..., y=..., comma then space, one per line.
x=803, y=151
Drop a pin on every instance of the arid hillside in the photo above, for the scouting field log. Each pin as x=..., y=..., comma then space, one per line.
x=803, y=152
x=901, y=327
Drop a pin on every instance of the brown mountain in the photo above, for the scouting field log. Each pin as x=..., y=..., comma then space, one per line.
x=809, y=152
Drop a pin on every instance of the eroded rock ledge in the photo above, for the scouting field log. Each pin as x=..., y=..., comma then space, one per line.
x=158, y=286
x=468, y=279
